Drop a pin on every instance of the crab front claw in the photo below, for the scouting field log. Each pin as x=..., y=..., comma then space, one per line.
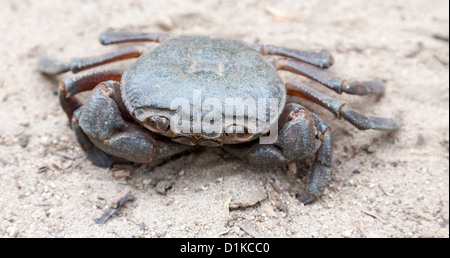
x=103, y=132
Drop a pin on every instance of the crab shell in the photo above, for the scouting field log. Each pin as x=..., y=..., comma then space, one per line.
x=193, y=70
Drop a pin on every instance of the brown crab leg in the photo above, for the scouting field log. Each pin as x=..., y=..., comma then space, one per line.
x=341, y=109
x=51, y=67
x=70, y=87
x=114, y=36
x=328, y=79
x=321, y=58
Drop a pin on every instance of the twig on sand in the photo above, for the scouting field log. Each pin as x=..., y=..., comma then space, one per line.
x=118, y=202
x=373, y=216
x=249, y=229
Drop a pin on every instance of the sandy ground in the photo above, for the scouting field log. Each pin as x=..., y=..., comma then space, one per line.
x=383, y=185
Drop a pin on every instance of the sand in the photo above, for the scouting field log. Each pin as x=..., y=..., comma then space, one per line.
x=383, y=184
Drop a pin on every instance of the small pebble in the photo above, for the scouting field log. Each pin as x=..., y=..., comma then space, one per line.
x=269, y=211
x=12, y=232
x=164, y=22
x=347, y=233
x=146, y=182
x=24, y=140
x=356, y=171
x=369, y=148
x=163, y=186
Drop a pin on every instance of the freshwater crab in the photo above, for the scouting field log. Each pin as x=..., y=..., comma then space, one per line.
x=129, y=113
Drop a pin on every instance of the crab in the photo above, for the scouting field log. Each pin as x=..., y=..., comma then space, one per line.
x=130, y=113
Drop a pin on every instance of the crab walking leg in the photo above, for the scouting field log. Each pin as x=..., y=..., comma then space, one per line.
x=321, y=58
x=328, y=79
x=52, y=67
x=114, y=36
x=100, y=121
x=68, y=88
x=296, y=140
x=341, y=109
x=321, y=170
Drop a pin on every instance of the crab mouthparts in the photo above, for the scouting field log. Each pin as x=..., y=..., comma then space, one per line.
x=190, y=136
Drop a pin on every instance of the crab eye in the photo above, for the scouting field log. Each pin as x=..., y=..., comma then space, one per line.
x=238, y=132
x=158, y=122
